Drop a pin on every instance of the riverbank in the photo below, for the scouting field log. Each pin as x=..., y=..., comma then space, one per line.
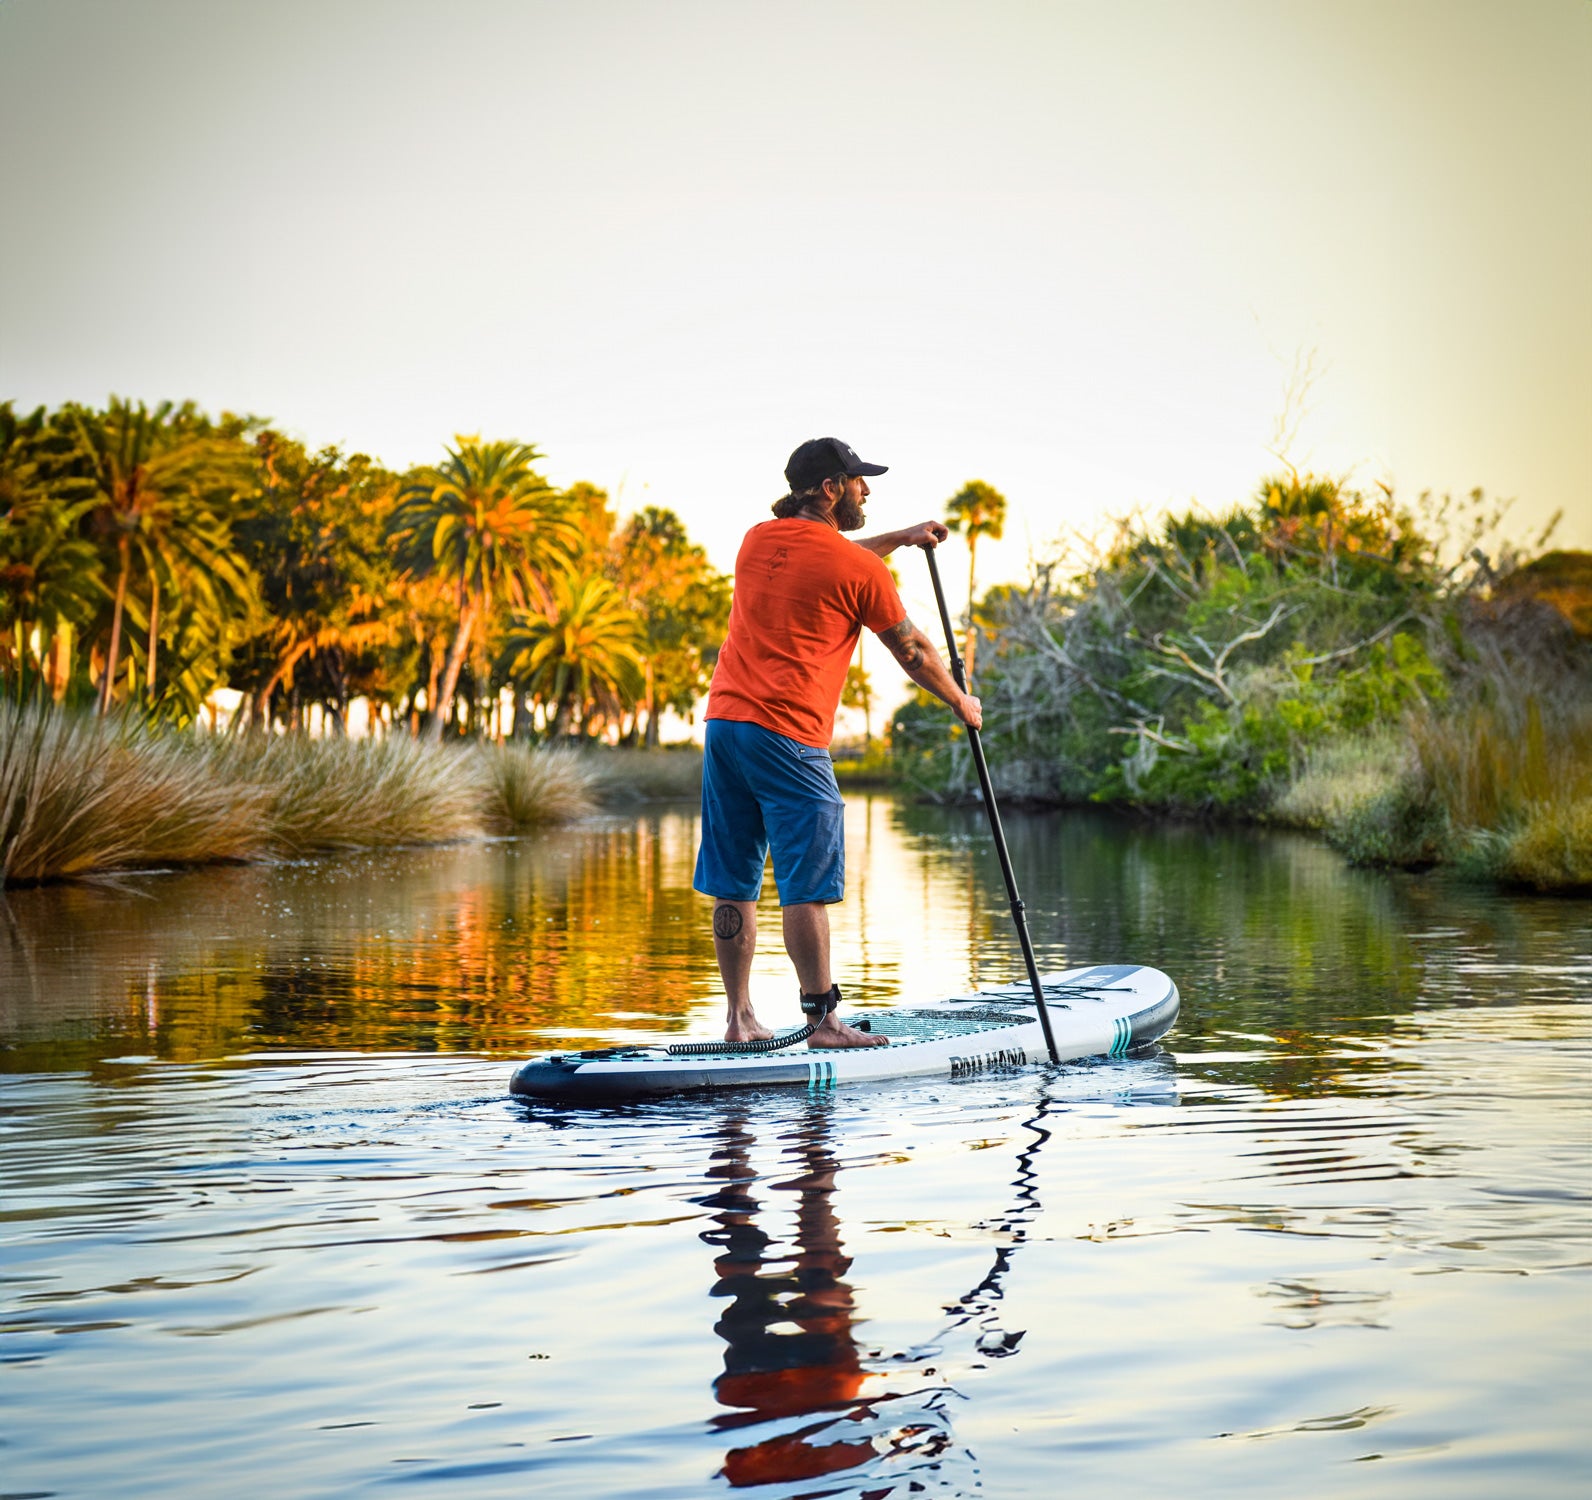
x=1502, y=793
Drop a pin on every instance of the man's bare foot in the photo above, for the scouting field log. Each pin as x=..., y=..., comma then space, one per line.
x=746, y=1028
x=833, y=1032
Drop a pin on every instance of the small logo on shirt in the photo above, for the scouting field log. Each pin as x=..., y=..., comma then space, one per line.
x=777, y=561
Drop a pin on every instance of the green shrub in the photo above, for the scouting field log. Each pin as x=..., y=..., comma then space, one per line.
x=1549, y=850
x=1340, y=775
x=1400, y=825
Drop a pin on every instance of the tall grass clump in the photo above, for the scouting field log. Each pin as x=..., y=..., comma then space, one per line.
x=333, y=794
x=527, y=788
x=1513, y=776
x=79, y=794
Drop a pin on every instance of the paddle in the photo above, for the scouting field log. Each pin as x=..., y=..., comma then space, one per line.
x=994, y=813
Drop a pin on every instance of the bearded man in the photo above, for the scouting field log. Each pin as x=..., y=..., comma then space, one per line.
x=803, y=593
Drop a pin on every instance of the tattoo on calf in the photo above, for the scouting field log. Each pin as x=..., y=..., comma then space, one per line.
x=726, y=921
x=905, y=644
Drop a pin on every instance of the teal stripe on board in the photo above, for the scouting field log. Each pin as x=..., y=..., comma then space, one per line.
x=820, y=1075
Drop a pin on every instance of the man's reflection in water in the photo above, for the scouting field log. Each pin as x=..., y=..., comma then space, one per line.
x=788, y=1325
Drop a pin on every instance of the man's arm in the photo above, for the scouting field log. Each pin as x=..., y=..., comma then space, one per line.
x=924, y=534
x=921, y=662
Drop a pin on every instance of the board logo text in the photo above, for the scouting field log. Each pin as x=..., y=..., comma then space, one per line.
x=969, y=1067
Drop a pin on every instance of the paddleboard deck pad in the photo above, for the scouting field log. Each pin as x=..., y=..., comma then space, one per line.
x=1107, y=1010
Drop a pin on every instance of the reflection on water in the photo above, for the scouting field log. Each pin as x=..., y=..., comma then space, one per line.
x=268, y=1210
x=787, y=1328
x=594, y=933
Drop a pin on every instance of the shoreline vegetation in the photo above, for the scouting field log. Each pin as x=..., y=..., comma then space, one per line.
x=219, y=644
x=82, y=796
x=1307, y=661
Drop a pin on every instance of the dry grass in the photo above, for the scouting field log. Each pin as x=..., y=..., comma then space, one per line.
x=1514, y=776
x=1548, y=848
x=1501, y=788
x=359, y=794
x=80, y=795
x=528, y=788
x=1490, y=762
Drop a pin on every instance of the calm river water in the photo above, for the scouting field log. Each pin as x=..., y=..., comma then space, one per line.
x=273, y=1225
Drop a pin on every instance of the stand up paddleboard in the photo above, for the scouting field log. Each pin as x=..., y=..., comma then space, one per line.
x=1105, y=1011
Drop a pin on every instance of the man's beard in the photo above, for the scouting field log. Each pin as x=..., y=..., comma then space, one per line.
x=848, y=513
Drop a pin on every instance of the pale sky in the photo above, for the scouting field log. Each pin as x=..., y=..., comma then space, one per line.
x=1073, y=249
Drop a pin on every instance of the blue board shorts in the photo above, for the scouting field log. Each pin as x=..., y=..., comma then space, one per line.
x=763, y=791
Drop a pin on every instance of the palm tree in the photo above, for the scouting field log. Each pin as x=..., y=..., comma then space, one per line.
x=583, y=650
x=187, y=551
x=977, y=509
x=684, y=606
x=49, y=582
x=158, y=480
x=491, y=530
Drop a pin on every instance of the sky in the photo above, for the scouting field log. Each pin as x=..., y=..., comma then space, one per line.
x=1086, y=252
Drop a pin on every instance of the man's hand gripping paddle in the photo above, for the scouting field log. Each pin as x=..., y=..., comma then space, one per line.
x=994, y=815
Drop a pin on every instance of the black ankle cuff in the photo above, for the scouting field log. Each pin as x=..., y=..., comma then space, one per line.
x=820, y=1005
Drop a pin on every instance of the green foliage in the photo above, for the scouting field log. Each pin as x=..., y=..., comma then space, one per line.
x=160, y=485
x=683, y=604
x=583, y=649
x=491, y=532
x=1261, y=664
x=977, y=510
x=1400, y=825
x=1191, y=666
x=116, y=535
x=150, y=555
x=312, y=531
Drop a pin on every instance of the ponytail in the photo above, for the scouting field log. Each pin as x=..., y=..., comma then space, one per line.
x=797, y=501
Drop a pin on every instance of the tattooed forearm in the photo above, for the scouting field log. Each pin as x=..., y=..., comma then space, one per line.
x=726, y=921
x=905, y=642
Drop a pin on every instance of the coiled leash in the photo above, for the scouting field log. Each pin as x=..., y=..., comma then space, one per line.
x=815, y=1007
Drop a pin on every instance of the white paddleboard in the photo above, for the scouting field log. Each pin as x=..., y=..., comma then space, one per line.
x=1107, y=1010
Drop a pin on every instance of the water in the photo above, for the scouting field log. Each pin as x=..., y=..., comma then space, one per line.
x=271, y=1221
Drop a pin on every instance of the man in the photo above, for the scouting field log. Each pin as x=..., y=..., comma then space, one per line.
x=803, y=592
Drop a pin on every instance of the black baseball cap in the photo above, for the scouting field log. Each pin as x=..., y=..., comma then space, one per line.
x=819, y=459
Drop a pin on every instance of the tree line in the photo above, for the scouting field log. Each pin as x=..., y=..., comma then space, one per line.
x=150, y=555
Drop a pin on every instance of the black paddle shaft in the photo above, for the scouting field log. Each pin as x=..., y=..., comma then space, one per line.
x=1018, y=916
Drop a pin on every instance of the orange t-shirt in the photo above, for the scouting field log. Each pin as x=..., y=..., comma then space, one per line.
x=802, y=595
